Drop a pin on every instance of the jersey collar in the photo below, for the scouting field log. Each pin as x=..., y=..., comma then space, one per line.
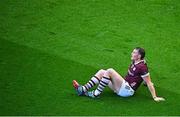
x=140, y=62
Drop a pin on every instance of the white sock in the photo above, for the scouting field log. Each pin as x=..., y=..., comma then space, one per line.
x=94, y=80
x=103, y=83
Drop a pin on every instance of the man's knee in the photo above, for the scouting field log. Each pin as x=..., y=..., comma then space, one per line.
x=110, y=70
x=101, y=72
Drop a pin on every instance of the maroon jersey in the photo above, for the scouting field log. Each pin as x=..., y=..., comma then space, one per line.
x=136, y=73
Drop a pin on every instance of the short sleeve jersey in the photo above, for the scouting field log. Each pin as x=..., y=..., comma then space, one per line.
x=136, y=73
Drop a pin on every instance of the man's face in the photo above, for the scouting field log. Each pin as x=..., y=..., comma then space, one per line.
x=135, y=55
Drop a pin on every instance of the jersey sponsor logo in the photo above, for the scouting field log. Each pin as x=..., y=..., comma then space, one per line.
x=133, y=84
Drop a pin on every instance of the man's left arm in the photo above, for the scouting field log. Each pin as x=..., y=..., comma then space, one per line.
x=151, y=88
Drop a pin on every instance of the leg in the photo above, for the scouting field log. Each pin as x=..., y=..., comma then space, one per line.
x=105, y=80
x=111, y=86
x=100, y=74
x=92, y=82
x=116, y=79
x=110, y=78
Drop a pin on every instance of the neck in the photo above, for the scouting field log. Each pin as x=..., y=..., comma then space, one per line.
x=136, y=61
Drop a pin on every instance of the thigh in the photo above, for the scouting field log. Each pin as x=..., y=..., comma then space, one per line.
x=116, y=79
x=111, y=86
x=117, y=83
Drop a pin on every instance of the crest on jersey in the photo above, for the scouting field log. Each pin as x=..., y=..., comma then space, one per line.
x=134, y=69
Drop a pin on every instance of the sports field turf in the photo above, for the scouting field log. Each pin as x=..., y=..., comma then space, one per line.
x=45, y=44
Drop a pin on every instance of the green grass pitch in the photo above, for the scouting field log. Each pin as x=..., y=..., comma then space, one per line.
x=45, y=44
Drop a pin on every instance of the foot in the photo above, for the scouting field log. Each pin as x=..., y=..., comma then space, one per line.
x=75, y=84
x=78, y=88
x=91, y=94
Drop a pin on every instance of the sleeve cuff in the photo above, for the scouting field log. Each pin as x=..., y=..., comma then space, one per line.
x=145, y=75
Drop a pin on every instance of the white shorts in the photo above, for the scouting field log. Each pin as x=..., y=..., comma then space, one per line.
x=125, y=90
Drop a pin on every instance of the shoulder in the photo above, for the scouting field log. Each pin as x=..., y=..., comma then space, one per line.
x=142, y=68
x=142, y=65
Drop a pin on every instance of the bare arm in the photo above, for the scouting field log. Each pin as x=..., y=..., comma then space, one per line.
x=151, y=88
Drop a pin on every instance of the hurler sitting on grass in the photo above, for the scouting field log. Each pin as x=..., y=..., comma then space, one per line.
x=125, y=87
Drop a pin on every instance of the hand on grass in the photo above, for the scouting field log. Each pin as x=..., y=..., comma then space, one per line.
x=159, y=99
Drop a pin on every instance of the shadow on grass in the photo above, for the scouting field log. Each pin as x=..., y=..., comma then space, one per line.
x=33, y=82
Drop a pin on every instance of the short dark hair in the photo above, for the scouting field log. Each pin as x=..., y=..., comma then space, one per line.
x=141, y=52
